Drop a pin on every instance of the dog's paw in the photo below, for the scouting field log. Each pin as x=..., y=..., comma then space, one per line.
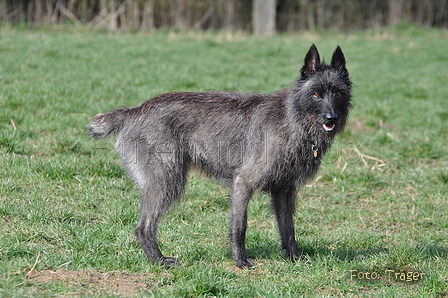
x=169, y=262
x=294, y=255
x=247, y=263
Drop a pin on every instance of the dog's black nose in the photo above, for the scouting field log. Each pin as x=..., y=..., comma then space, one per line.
x=332, y=117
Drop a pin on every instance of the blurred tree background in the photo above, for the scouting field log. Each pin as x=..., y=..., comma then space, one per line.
x=247, y=15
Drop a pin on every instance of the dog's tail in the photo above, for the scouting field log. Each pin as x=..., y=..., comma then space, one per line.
x=105, y=124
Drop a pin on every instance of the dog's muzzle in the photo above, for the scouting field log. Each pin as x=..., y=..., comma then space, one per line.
x=330, y=122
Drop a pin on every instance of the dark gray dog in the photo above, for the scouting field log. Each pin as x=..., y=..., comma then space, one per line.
x=251, y=142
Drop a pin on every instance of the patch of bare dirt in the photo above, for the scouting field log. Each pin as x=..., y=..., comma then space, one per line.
x=96, y=281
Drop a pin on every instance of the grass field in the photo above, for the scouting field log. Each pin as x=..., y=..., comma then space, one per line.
x=67, y=210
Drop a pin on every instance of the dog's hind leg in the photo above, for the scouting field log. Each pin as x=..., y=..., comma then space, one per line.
x=283, y=201
x=241, y=195
x=163, y=184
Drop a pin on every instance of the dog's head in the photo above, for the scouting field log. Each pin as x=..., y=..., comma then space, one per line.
x=321, y=96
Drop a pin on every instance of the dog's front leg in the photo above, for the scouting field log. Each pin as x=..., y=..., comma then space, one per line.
x=283, y=201
x=241, y=195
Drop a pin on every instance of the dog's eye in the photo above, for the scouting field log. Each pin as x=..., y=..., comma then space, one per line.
x=338, y=94
x=316, y=95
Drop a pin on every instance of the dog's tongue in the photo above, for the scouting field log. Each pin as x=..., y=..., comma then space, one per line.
x=328, y=127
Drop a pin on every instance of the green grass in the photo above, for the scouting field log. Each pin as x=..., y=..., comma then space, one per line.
x=69, y=204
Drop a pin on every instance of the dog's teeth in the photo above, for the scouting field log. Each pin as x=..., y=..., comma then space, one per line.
x=328, y=128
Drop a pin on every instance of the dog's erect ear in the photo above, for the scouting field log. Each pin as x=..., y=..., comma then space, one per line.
x=338, y=60
x=311, y=62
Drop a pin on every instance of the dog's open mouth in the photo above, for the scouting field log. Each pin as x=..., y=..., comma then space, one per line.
x=328, y=127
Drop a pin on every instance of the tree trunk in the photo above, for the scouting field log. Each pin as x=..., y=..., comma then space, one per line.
x=230, y=15
x=263, y=17
x=148, y=15
x=395, y=11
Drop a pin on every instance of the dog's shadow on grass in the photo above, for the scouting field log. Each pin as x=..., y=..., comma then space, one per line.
x=432, y=251
x=343, y=253
x=352, y=253
x=269, y=250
